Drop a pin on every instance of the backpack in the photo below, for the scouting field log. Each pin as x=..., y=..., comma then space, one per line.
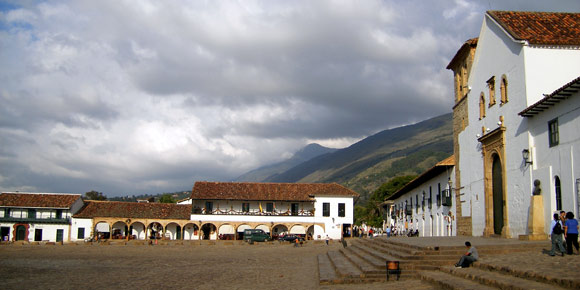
x=557, y=229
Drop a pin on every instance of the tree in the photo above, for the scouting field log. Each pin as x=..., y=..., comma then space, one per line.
x=167, y=198
x=370, y=213
x=94, y=195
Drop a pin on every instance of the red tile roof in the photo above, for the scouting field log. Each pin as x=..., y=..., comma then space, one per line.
x=47, y=200
x=118, y=209
x=267, y=191
x=540, y=27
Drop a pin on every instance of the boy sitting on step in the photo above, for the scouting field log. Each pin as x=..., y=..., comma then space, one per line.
x=469, y=257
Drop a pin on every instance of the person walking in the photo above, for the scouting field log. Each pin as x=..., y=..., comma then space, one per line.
x=470, y=256
x=556, y=231
x=571, y=233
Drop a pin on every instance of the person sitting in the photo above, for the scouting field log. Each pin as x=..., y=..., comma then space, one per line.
x=469, y=257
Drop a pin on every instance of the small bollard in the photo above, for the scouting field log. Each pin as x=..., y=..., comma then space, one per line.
x=393, y=268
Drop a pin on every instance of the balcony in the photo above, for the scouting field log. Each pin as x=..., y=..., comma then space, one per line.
x=203, y=211
x=35, y=220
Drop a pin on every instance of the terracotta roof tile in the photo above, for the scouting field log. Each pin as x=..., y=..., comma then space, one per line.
x=267, y=191
x=548, y=28
x=48, y=200
x=120, y=209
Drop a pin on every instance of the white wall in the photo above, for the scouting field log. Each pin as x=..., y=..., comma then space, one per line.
x=561, y=160
x=77, y=223
x=430, y=221
x=531, y=72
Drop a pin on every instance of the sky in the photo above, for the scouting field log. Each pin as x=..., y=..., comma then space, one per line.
x=145, y=97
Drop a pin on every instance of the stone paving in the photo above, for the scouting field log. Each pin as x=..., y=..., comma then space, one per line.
x=504, y=263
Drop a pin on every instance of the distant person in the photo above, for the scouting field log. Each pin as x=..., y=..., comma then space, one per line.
x=571, y=233
x=343, y=242
x=388, y=232
x=563, y=221
x=296, y=242
x=469, y=257
x=556, y=231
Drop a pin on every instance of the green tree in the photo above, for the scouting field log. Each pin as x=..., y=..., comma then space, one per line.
x=94, y=195
x=167, y=198
x=370, y=213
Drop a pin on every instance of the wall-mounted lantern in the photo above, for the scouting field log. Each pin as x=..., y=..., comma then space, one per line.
x=526, y=156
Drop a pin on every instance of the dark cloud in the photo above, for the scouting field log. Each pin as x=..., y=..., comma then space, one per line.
x=150, y=96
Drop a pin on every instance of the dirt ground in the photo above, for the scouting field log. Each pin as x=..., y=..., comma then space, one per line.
x=190, y=266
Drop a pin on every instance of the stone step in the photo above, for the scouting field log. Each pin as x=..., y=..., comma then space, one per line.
x=326, y=273
x=536, y=276
x=399, y=248
x=497, y=279
x=447, y=281
x=343, y=267
x=378, y=259
x=361, y=263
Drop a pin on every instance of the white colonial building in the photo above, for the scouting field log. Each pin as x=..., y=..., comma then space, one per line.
x=425, y=203
x=40, y=217
x=503, y=121
x=225, y=209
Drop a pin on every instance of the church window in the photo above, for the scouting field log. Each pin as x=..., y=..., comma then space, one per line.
x=481, y=106
x=503, y=90
x=491, y=86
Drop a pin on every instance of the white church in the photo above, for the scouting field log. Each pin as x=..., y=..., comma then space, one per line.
x=517, y=124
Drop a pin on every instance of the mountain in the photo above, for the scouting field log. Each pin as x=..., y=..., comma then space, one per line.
x=365, y=165
x=263, y=173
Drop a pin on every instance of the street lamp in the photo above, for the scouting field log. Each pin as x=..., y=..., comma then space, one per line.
x=526, y=156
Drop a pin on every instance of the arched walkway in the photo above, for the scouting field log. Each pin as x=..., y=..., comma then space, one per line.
x=102, y=230
x=240, y=231
x=155, y=230
x=208, y=232
x=137, y=231
x=277, y=230
x=226, y=232
x=120, y=230
x=190, y=232
x=172, y=231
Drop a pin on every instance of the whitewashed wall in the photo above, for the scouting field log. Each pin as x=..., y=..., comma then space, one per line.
x=431, y=222
x=77, y=223
x=562, y=160
x=531, y=72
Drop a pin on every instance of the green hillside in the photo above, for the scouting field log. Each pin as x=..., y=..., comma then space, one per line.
x=365, y=165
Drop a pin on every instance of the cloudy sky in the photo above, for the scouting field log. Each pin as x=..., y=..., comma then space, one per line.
x=133, y=97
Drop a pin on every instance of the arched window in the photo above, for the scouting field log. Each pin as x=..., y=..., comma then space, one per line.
x=503, y=89
x=482, y=106
x=558, y=193
x=491, y=86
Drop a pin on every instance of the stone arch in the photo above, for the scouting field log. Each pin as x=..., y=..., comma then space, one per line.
x=102, y=230
x=226, y=232
x=173, y=231
x=137, y=231
x=298, y=229
x=208, y=231
x=119, y=230
x=263, y=227
x=155, y=230
x=190, y=231
x=240, y=230
x=279, y=229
